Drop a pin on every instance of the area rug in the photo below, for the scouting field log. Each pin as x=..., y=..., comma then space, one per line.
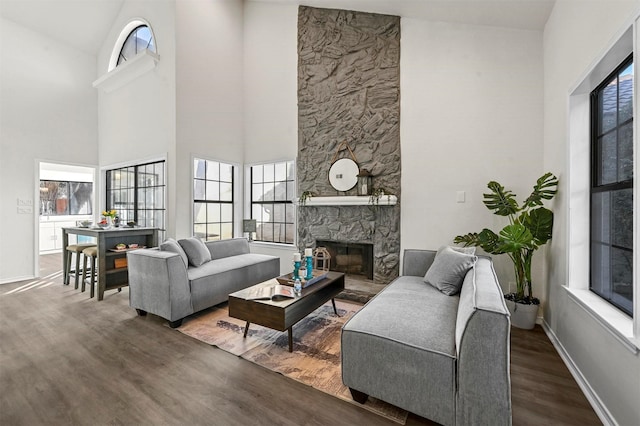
x=315, y=360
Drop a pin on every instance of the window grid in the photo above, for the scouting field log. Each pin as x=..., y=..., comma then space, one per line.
x=612, y=188
x=272, y=195
x=137, y=193
x=212, y=199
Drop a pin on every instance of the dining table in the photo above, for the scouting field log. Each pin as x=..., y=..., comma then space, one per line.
x=112, y=272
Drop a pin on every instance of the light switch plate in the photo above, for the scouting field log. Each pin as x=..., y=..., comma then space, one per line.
x=460, y=196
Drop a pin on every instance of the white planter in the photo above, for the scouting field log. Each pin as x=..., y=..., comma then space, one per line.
x=522, y=316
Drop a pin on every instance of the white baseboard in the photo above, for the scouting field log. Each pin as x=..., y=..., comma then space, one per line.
x=596, y=403
x=16, y=279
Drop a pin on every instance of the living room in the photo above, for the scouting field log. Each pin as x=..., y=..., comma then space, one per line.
x=484, y=95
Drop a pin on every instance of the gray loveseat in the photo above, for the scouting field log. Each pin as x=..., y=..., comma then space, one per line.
x=174, y=283
x=442, y=357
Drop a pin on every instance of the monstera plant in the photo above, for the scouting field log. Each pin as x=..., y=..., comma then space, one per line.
x=530, y=227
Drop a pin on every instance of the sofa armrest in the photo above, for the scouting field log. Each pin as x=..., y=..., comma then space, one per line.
x=158, y=284
x=416, y=262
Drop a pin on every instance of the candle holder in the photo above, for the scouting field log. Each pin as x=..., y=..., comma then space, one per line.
x=309, y=268
x=296, y=270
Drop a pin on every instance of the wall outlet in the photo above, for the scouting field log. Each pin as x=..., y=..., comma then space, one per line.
x=25, y=210
x=25, y=202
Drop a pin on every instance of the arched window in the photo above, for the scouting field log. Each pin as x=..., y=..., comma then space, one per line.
x=138, y=40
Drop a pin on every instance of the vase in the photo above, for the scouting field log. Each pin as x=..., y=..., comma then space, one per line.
x=109, y=220
x=522, y=315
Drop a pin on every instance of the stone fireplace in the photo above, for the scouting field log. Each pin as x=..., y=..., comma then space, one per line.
x=349, y=91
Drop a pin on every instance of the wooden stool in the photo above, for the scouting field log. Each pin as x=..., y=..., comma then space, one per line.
x=92, y=253
x=77, y=249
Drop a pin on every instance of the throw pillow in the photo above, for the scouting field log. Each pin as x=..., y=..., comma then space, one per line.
x=196, y=251
x=172, y=245
x=448, y=270
x=465, y=250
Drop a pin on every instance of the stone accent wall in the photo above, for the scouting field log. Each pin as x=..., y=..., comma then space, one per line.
x=349, y=89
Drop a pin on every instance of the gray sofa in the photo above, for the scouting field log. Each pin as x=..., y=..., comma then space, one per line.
x=442, y=357
x=168, y=284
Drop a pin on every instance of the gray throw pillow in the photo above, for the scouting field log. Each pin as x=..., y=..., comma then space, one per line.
x=172, y=245
x=465, y=250
x=196, y=251
x=448, y=270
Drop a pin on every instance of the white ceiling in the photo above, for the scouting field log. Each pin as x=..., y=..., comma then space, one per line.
x=84, y=24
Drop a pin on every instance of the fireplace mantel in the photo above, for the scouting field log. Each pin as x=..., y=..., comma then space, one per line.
x=350, y=200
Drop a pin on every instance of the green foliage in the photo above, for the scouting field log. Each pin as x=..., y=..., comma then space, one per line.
x=530, y=227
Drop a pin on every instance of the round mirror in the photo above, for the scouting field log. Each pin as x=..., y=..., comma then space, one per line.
x=343, y=174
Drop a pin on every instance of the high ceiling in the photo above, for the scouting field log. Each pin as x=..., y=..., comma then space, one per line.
x=84, y=24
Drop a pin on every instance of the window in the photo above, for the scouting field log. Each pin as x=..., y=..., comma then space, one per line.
x=137, y=193
x=65, y=198
x=272, y=194
x=212, y=199
x=138, y=40
x=612, y=188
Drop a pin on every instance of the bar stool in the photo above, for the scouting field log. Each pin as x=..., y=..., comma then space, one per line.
x=91, y=253
x=77, y=249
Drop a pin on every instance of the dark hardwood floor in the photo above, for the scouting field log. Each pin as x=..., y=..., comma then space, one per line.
x=67, y=359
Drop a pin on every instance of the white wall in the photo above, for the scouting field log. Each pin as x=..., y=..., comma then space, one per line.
x=471, y=113
x=209, y=120
x=47, y=112
x=271, y=82
x=137, y=121
x=576, y=36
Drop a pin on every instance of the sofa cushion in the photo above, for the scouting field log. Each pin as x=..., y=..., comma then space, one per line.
x=172, y=246
x=196, y=251
x=448, y=270
x=228, y=247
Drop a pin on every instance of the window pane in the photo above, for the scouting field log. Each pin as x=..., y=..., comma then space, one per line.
x=600, y=218
x=226, y=230
x=622, y=218
x=199, y=212
x=199, y=168
x=291, y=190
x=608, y=107
x=213, y=191
x=198, y=189
x=226, y=172
x=256, y=212
x=213, y=231
x=609, y=159
x=200, y=231
x=213, y=212
x=291, y=170
x=280, y=172
x=600, y=269
x=269, y=172
x=625, y=151
x=226, y=191
x=278, y=212
x=226, y=213
x=269, y=194
x=256, y=192
x=621, y=276
x=280, y=191
x=625, y=108
x=213, y=170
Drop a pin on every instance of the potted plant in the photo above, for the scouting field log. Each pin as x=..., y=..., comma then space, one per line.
x=530, y=227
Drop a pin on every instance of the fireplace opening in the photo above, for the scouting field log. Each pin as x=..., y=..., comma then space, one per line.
x=353, y=259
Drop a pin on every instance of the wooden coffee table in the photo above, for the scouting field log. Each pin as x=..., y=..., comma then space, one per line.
x=282, y=315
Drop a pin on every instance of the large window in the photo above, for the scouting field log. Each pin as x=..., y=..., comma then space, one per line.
x=137, y=193
x=612, y=188
x=212, y=199
x=272, y=194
